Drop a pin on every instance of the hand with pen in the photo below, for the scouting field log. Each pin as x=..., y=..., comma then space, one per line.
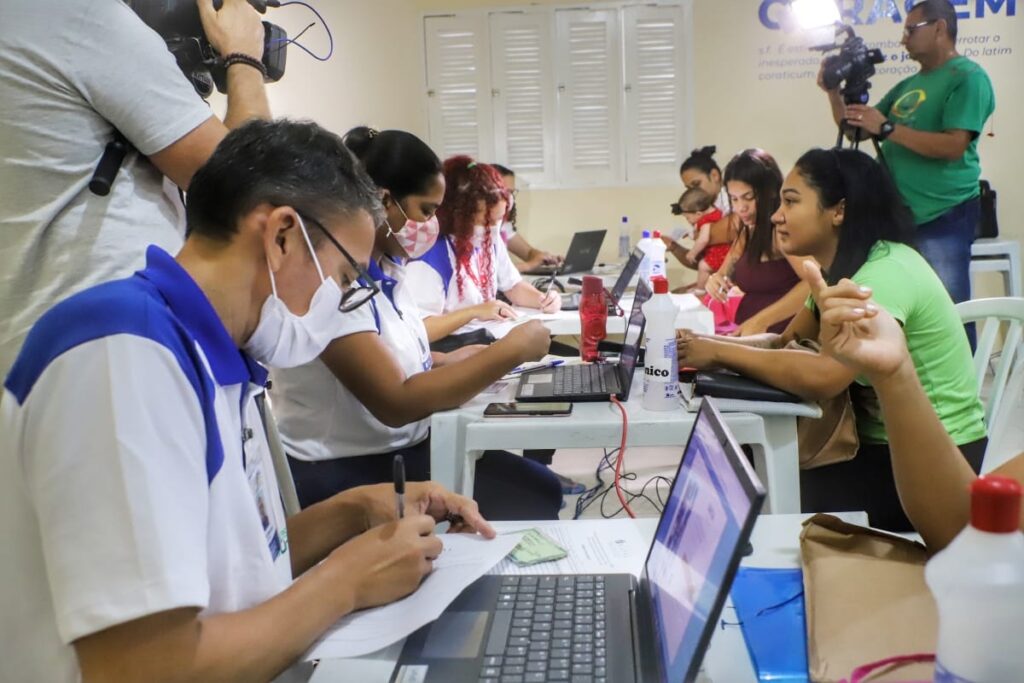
x=398, y=546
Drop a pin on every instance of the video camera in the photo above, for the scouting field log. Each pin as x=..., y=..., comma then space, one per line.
x=852, y=67
x=178, y=23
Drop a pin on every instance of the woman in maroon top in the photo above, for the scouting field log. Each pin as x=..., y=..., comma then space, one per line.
x=773, y=292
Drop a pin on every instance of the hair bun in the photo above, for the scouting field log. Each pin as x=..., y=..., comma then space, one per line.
x=708, y=151
x=360, y=139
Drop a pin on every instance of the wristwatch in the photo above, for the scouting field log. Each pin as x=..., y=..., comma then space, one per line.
x=886, y=130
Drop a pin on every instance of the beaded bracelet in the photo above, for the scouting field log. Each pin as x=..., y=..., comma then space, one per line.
x=240, y=58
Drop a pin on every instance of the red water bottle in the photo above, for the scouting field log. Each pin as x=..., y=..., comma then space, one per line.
x=593, y=317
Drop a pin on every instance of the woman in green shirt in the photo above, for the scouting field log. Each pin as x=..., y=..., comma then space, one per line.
x=840, y=207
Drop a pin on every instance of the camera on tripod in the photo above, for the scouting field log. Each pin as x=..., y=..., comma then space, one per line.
x=178, y=23
x=852, y=68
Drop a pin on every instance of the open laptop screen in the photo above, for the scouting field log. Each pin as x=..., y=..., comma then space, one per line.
x=626, y=276
x=696, y=549
x=634, y=331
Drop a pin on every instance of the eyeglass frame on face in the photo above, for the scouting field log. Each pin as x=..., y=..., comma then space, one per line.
x=909, y=30
x=362, y=283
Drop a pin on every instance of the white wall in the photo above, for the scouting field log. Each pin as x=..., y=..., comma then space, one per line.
x=376, y=77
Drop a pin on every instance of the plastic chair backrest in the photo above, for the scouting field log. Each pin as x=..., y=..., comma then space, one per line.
x=1006, y=435
x=991, y=316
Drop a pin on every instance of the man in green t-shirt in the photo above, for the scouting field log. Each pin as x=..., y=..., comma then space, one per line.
x=930, y=123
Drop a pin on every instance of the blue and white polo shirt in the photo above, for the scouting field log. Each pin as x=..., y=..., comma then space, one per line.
x=135, y=476
x=432, y=281
x=319, y=417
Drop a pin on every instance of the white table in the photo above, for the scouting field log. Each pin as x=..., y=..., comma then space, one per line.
x=459, y=437
x=693, y=315
x=776, y=541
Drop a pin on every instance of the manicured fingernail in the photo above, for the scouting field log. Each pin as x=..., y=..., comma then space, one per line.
x=872, y=308
x=858, y=311
x=864, y=290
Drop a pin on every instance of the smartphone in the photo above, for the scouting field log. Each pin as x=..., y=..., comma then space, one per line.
x=527, y=409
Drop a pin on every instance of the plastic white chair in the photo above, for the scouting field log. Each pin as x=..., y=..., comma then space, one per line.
x=1000, y=256
x=992, y=315
x=1006, y=435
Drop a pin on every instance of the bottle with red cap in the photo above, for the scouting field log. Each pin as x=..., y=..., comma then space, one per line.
x=656, y=252
x=593, y=317
x=661, y=361
x=978, y=584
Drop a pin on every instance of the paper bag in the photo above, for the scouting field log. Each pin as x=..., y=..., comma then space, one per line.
x=866, y=600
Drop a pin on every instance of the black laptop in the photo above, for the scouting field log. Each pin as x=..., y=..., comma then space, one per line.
x=580, y=258
x=610, y=628
x=571, y=302
x=591, y=382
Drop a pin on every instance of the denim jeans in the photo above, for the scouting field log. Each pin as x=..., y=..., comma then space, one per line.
x=945, y=243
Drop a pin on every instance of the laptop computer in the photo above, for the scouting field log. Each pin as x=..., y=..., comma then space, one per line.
x=580, y=258
x=610, y=628
x=571, y=302
x=591, y=382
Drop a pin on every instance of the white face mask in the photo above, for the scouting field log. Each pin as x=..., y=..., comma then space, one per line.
x=283, y=339
x=478, y=236
x=416, y=239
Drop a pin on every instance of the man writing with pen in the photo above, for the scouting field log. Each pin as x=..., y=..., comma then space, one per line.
x=133, y=462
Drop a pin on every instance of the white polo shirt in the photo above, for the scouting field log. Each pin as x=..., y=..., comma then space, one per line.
x=318, y=417
x=433, y=280
x=135, y=476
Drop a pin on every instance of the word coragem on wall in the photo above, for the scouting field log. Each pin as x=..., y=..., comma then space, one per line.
x=867, y=12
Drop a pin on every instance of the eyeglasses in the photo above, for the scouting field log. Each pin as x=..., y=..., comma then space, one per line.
x=363, y=289
x=908, y=30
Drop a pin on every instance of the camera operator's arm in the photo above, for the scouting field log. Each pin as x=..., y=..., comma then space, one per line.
x=235, y=28
x=949, y=144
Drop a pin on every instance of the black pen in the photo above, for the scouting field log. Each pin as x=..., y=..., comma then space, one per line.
x=398, y=471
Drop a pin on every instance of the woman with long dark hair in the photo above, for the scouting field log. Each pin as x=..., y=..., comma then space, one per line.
x=841, y=208
x=773, y=292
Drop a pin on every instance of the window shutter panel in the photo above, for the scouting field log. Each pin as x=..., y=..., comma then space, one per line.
x=589, y=97
x=458, y=87
x=658, y=121
x=523, y=94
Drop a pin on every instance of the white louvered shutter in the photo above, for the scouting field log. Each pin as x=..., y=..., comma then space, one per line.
x=658, y=86
x=522, y=79
x=589, y=84
x=458, y=86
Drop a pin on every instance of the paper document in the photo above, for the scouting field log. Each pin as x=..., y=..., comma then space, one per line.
x=465, y=559
x=599, y=546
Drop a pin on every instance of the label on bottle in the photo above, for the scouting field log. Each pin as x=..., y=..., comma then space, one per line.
x=942, y=675
x=661, y=371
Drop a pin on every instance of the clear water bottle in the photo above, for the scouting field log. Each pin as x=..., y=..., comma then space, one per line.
x=657, y=253
x=661, y=363
x=978, y=584
x=644, y=245
x=624, y=245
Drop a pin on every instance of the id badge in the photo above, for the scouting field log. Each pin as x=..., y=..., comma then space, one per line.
x=273, y=531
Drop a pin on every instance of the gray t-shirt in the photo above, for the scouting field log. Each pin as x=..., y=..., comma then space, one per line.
x=71, y=71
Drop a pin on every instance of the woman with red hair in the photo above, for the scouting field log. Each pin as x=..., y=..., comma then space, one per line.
x=456, y=283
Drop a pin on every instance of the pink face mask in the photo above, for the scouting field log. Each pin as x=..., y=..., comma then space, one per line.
x=416, y=239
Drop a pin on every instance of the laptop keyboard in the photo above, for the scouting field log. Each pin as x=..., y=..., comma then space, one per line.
x=548, y=628
x=578, y=380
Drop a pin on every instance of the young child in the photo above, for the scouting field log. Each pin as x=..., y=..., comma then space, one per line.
x=708, y=250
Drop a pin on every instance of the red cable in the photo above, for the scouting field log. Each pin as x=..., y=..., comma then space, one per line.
x=621, y=458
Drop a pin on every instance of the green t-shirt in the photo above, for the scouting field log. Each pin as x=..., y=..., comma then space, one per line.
x=956, y=96
x=905, y=285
